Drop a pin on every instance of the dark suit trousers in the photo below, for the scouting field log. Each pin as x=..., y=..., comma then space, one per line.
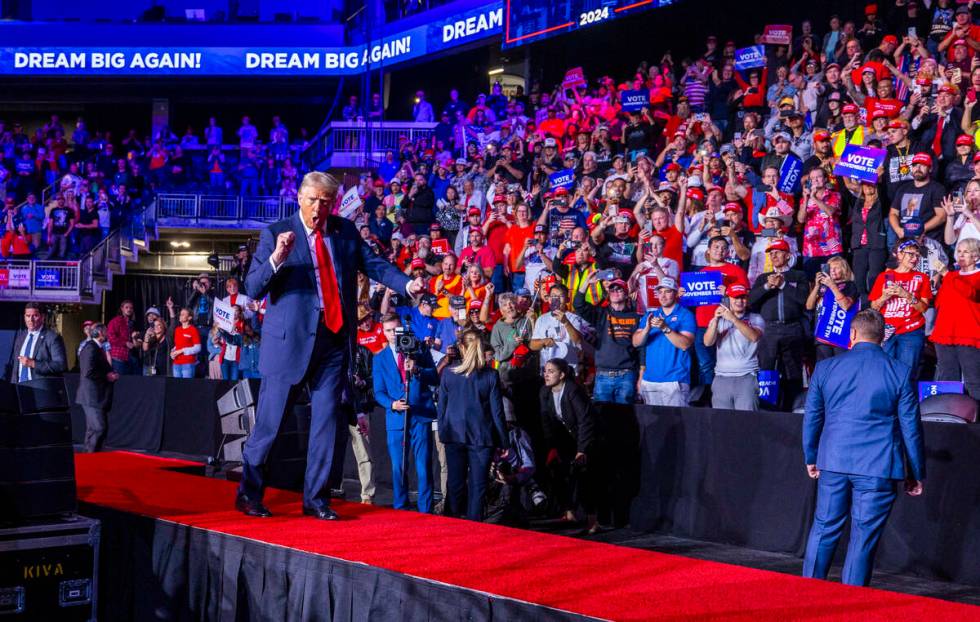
x=869, y=501
x=326, y=377
x=95, y=427
x=468, y=472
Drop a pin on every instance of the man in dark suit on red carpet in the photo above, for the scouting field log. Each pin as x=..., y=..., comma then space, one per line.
x=307, y=266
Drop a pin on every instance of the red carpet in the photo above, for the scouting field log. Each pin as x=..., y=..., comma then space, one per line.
x=589, y=578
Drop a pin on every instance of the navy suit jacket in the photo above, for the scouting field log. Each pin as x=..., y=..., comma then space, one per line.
x=49, y=355
x=388, y=387
x=471, y=409
x=862, y=416
x=290, y=325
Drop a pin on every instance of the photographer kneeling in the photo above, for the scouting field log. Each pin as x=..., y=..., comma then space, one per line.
x=404, y=361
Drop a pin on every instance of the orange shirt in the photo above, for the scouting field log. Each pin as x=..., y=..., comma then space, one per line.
x=516, y=237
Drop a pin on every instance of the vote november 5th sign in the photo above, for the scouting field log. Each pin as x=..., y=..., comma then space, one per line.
x=224, y=315
x=700, y=288
x=564, y=178
x=750, y=57
x=860, y=163
x=834, y=322
x=633, y=101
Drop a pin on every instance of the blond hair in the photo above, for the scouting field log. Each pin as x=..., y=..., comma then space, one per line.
x=473, y=355
x=320, y=180
x=845, y=267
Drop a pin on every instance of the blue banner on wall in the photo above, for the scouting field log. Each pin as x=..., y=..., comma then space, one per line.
x=633, y=101
x=834, y=322
x=750, y=57
x=789, y=174
x=939, y=387
x=860, y=163
x=769, y=386
x=564, y=178
x=700, y=288
x=183, y=60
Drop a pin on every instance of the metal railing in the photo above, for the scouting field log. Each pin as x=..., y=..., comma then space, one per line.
x=42, y=280
x=198, y=207
x=362, y=143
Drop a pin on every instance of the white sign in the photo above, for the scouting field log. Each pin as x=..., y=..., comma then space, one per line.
x=224, y=315
x=349, y=203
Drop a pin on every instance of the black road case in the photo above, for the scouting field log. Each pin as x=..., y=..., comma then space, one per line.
x=49, y=571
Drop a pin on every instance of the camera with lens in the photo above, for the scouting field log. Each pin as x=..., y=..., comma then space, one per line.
x=406, y=343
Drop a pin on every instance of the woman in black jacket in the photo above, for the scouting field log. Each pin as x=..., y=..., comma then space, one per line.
x=868, y=240
x=569, y=433
x=960, y=169
x=470, y=415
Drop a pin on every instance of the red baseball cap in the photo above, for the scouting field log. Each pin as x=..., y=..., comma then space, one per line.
x=898, y=124
x=674, y=166
x=695, y=193
x=959, y=42
x=890, y=39
x=922, y=158
x=964, y=139
x=949, y=89
x=976, y=157
x=473, y=211
x=435, y=227
x=500, y=198
x=717, y=189
x=475, y=304
x=379, y=183
x=625, y=213
x=560, y=192
x=879, y=114
x=850, y=109
x=738, y=290
x=820, y=135
x=778, y=245
x=417, y=263
x=732, y=206
x=619, y=283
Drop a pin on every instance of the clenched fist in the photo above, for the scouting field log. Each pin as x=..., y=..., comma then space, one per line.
x=284, y=245
x=417, y=286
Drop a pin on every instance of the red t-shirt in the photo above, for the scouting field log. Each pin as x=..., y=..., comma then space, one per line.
x=673, y=244
x=891, y=107
x=374, y=340
x=516, y=237
x=496, y=238
x=186, y=338
x=732, y=275
x=899, y=312
x=483, y=257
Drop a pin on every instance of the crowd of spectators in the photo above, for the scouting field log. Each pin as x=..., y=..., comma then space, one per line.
x=576, y=288
x=63, y=195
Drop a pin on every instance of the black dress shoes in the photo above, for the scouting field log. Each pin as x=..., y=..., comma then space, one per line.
x=322, y=513
x=251, y=507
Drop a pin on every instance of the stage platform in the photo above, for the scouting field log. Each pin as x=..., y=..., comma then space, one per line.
x=173, y=548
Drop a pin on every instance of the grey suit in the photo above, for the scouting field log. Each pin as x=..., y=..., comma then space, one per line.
x=49, y=355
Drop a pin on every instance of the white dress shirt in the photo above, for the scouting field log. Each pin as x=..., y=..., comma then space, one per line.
x=29, y=353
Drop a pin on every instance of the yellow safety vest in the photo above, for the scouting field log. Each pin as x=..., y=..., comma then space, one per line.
x=594, y=293
x=840, y=139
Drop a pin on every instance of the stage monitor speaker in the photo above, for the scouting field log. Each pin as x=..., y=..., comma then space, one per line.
x=35, y=396
x=239, y=422
x=238, y=398
x=37, y=460
x=949, y=408
x=231, y=451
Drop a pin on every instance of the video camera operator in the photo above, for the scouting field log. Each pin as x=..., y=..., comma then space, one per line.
x=406, y=362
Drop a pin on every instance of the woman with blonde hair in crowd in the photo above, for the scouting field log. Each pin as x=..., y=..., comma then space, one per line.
x=836, y=276
x=470, y=415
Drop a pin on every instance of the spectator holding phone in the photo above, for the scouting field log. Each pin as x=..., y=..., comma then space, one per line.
x=667, y=334
x=962, y=215
x=734, y=333
x=956, y=333
x=902, y=295
x=835, y=276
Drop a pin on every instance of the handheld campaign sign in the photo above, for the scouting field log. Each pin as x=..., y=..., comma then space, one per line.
x=564, y=178
x=777, y=34
x=750, y=57
x=789, y=174
x=834, y=322
x=440, y=246
x=860, y=163
x=349, y=203
x=574, y=77
x=224, y=315
x=648, y=291
x=700, y=288
x=939, y=387
x=633, y=101
x=769, y=386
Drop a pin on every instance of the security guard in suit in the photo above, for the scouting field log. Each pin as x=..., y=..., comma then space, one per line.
x=861, y=424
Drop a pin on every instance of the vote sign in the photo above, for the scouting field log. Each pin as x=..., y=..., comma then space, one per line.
x=701, y=288
x=834, y=322
x=860, y=163
x=769, y=386
x=939, y=387
x=633, y=101
x=750, y=57
x=562, y=179
x=224, y=315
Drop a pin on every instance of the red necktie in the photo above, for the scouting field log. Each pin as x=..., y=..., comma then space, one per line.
x=333, y=316
x=401, y=366
x=937, y=142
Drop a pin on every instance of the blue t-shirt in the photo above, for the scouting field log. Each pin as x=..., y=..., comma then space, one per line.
x=664, y=361
x=447, y=333
x=423, y=327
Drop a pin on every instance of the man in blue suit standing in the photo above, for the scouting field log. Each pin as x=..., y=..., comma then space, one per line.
x=390, y=371
x=306, y=265
x=861, y=423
